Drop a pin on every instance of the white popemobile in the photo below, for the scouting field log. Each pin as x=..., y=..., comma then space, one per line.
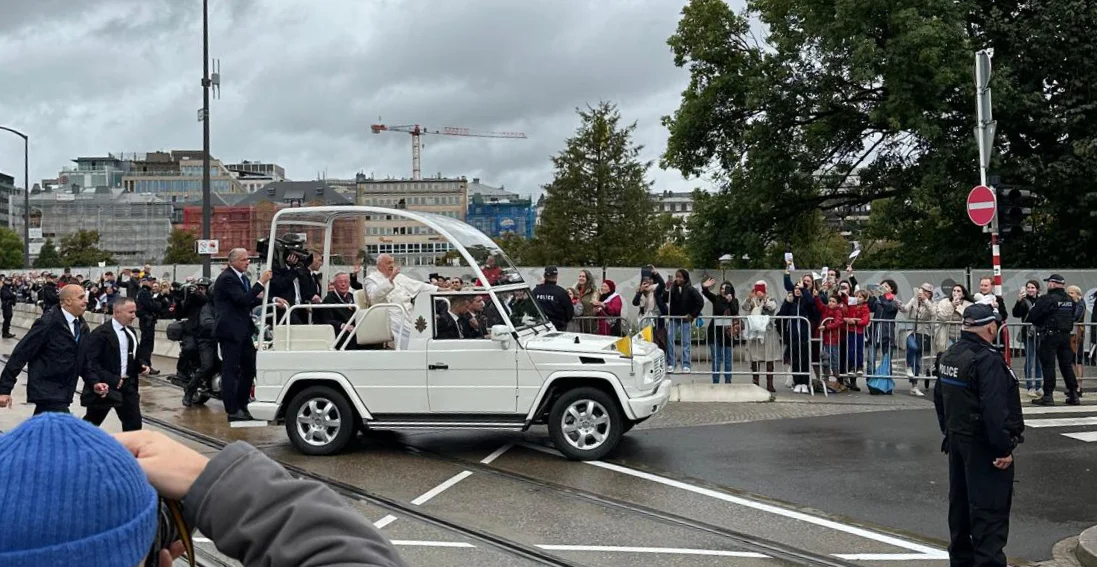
x=588, y=389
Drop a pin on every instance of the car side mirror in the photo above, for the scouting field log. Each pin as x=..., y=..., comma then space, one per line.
x=501, y=334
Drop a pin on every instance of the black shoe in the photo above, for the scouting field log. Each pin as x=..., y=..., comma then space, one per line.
x=154, y=372
x=1074, y=401
x=9, y=336
x=248, y=414
x=1043, y=402
x=238, y=416
x=187, y=400
x=854, y=388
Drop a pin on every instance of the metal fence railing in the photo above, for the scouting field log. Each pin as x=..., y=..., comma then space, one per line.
x=833, y=356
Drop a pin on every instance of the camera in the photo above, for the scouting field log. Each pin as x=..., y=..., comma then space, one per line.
x=289, y=244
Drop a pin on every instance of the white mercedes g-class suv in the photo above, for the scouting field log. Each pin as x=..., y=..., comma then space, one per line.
x=394, y=366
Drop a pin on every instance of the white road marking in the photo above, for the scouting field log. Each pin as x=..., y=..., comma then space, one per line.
x=666, y=550
x=1087, y=436
x=928, y=552
x=202, y=540
x=380, y=524
x=888, y=556
x=250, y=423
x=1038, y=410
x=421, y=543
x=1062, y=422
x=498, y=453
x=426, y=496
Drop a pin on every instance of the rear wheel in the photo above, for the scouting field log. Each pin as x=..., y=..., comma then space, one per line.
x=320, y=421
x=585, y=424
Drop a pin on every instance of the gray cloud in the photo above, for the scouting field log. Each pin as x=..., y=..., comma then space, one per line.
x=303, y=81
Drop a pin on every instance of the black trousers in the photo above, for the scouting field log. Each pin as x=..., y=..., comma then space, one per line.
x=799, y=352
x=1055, y=347
x=148, y=339
x=237, y=374
x=51, y=408
x=129, y=413
x=979, y=500
x=7, y=319
x=206, y=367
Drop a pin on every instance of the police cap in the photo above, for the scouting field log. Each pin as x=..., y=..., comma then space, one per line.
x=551, y=271
x=1056, y=278
x=980, y=314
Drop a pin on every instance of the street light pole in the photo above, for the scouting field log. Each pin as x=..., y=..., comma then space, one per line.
x=26, y=194
x=206, y=199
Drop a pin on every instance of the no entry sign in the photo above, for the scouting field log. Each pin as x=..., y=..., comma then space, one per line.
x=981, y=205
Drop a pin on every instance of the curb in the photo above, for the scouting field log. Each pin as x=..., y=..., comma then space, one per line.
x=723, y=393
x=1087, y=548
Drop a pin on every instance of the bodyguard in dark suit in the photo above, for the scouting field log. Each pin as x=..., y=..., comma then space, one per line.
x=148, y=311
x=234, y=296
x=111, y=368
x=53, y=347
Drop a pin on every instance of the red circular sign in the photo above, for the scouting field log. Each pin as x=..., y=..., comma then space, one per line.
x=981, y=205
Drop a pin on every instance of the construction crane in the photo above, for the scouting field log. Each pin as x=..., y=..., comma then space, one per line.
x=416, y=130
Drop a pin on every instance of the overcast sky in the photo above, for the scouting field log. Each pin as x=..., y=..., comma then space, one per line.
x=302, y=80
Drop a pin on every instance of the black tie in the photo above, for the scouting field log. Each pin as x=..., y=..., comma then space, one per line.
x=76, y=329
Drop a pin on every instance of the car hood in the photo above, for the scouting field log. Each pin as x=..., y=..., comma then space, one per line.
x=581, y=343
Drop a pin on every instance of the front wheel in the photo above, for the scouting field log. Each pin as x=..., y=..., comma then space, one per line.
x=585, y=424
x=320, y=421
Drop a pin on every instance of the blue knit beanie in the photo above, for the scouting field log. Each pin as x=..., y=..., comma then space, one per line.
x=72, y=495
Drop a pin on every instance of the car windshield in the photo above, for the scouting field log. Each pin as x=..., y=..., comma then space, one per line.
x=522, y=309
x=492, y=260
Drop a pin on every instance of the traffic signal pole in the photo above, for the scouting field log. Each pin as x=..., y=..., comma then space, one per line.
x=984, y=136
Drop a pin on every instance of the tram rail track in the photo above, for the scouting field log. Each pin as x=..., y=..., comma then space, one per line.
x=352, y=492
x=741, y=540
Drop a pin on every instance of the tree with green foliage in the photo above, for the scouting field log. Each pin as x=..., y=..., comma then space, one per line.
x=672, y=256
x=81, y=248
x=11, y=250
x=598, y=207
x=181, y=248
x=846, y=104
x=48, y=257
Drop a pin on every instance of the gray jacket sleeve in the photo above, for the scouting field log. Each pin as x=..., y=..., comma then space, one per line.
x=256, y=513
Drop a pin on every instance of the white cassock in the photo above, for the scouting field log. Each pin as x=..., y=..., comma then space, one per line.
x=399, y=291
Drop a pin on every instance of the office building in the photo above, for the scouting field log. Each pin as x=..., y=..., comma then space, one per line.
x=92, y=173
x=253, y=176
x=412, y=244
x=496, y=211
x=177, y=176
x=677, y=204
x=8, y=192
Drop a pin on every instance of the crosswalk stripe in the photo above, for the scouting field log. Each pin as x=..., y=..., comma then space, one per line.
x=1037, y=410
x=1087, y=436
x=1062, y=422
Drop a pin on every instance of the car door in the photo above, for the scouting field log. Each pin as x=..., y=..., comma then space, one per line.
x=468, y=375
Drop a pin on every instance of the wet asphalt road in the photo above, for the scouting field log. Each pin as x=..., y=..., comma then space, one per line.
x=885, y=468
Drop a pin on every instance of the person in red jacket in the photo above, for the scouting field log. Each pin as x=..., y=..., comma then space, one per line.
x=856, y=321
x=833, y=320
x=608, y=309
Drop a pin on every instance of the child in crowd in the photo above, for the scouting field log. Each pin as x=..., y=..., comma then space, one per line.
x=833, y=319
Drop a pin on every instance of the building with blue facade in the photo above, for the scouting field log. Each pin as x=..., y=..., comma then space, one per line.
x=495, y=211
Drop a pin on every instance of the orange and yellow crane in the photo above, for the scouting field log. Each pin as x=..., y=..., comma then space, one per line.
x=416, y=130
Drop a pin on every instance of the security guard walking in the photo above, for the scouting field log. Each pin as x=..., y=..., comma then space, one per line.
x=979, y=411
x=1053, y=317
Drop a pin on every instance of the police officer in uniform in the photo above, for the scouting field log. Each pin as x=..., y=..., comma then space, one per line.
x=554, y=301
x=1053, y=318
x=978, y=406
